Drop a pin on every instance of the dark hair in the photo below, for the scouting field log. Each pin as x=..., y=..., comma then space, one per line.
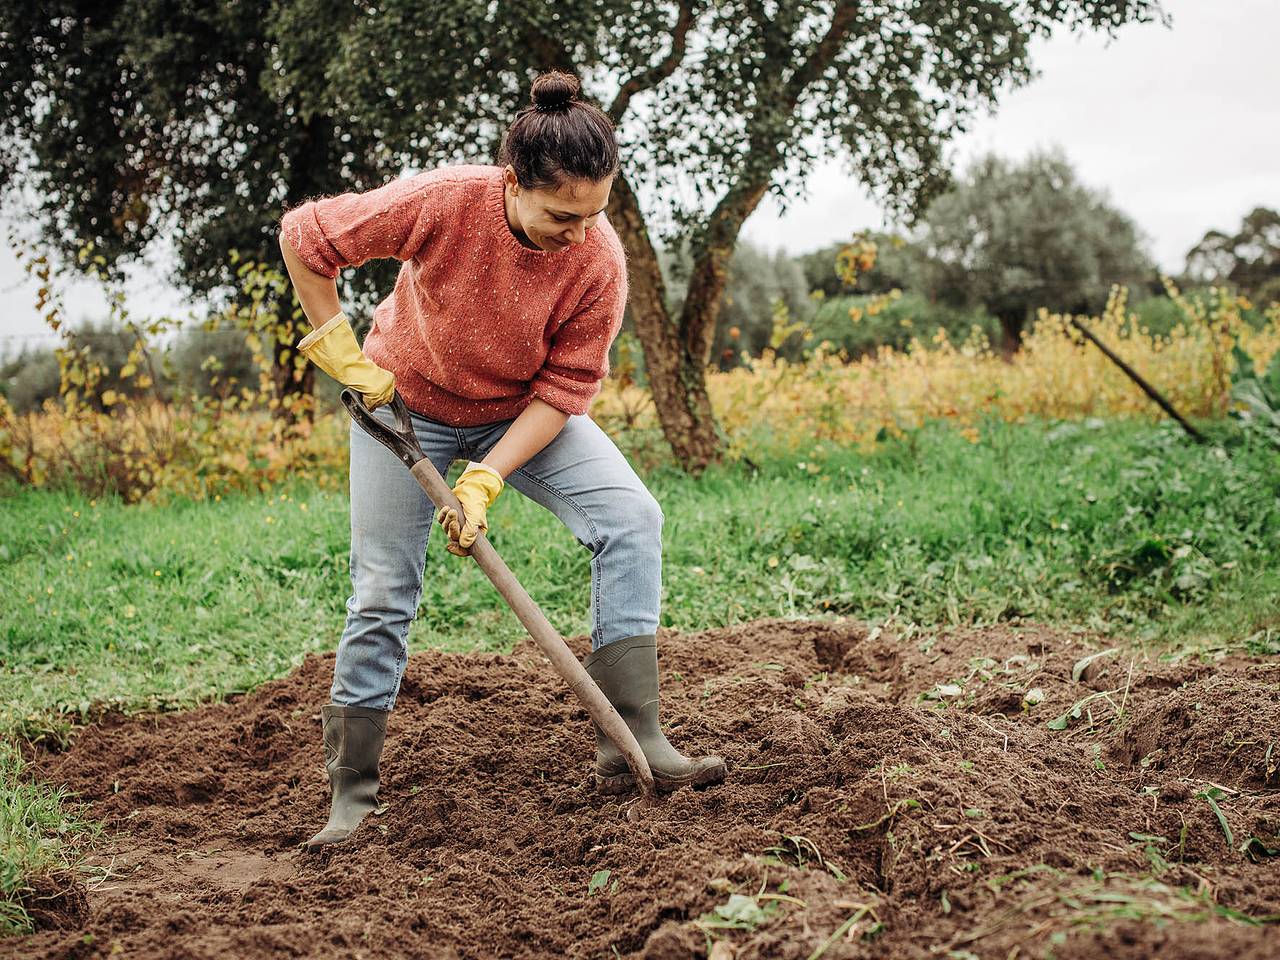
x=559, y=137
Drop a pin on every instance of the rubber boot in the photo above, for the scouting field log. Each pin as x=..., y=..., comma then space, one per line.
x=626, y=672
x=353, y=739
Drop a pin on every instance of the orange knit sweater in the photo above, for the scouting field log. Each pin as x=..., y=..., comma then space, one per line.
x=477, y=324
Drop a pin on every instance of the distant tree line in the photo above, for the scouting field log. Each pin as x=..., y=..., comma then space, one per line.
x=1005, y=240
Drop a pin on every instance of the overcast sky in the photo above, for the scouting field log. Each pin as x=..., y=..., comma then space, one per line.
x=1178, y=126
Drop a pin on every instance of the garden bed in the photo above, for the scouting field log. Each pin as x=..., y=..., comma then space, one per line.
x=975, y=793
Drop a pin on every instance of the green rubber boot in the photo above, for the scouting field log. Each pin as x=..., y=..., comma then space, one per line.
x=353, y=739
x=626, y=672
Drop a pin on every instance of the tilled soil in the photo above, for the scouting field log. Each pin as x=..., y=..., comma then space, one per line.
x=888, y=796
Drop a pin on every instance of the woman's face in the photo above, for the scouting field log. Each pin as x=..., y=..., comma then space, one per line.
x=556, y=219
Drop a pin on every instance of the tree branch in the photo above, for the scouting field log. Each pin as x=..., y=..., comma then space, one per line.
x=729, y=214
x=660, y=71
x=710, y=272
x=837, y=32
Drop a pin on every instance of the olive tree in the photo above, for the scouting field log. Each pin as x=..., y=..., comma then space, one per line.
x=1248, y=259
x=131, y=120
x=717, y=104
x=1016, y=236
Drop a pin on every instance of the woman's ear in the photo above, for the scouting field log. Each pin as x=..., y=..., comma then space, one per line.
x=509, y=175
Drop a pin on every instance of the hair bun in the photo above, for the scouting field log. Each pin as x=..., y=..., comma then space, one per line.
x=554, y=90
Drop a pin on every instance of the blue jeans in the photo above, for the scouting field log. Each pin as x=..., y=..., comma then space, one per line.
x=580, y=476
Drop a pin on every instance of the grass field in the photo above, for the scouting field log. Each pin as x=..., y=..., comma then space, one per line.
x=1122, y=528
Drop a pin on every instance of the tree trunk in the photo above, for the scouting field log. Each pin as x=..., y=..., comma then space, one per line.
x=1011, y=323
x=711, y=268
x=677, y=355
x=677, y=379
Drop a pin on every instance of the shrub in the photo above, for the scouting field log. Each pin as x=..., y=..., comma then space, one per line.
x=895, y=323
x=772, y=404
x=121, y=424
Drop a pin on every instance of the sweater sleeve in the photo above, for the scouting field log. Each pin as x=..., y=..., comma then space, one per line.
x=579, y=356
x=352, y=228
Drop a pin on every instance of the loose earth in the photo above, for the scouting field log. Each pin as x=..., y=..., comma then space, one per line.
x=970, y=794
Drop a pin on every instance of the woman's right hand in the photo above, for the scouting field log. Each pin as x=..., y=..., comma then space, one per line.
x=333, y=348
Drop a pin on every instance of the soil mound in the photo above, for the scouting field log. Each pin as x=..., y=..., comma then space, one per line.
x=973, y=793
x=1219, y=727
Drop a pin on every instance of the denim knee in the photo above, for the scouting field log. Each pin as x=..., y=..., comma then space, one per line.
x=636, y=516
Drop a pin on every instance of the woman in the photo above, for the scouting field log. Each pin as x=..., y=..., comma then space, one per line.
x=496, y=336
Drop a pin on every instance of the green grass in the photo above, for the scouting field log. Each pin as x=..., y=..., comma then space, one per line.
x=1124, y=528
x=41, y=836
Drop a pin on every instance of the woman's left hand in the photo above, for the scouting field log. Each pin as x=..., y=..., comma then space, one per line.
x=476, y=490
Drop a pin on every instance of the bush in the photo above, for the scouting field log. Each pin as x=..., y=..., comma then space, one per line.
x=118, y=425
x=895, y=268
x=773, y=404
x=896, y=324
x=197, y=362
x=1160, y=315
x=30, y=379
x=202, y=359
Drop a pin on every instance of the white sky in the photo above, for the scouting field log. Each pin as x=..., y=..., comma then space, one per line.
x=1179, y=126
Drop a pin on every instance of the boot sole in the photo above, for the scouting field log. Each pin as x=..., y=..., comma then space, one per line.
x=622, y=782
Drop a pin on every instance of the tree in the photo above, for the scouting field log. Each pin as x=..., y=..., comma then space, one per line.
x=1249, y=259
x=135, y=119
x=1014, y=237
x=895, y=267
x=757, y=281
x=717, y=103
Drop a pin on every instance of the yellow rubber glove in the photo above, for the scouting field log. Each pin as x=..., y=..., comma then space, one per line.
x=333, y=348
x=476, y=490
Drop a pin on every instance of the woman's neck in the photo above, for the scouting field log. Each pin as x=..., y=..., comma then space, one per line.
x=513, y=222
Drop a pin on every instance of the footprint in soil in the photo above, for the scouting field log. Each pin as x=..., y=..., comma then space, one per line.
x=185, y=875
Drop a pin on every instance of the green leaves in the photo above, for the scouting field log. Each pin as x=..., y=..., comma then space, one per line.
x=1256, y=398
x=741, y=912
x=1077, y=709
x=1211, y=795
x=1256, y=849
x=347, y=95
x=598, y=881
